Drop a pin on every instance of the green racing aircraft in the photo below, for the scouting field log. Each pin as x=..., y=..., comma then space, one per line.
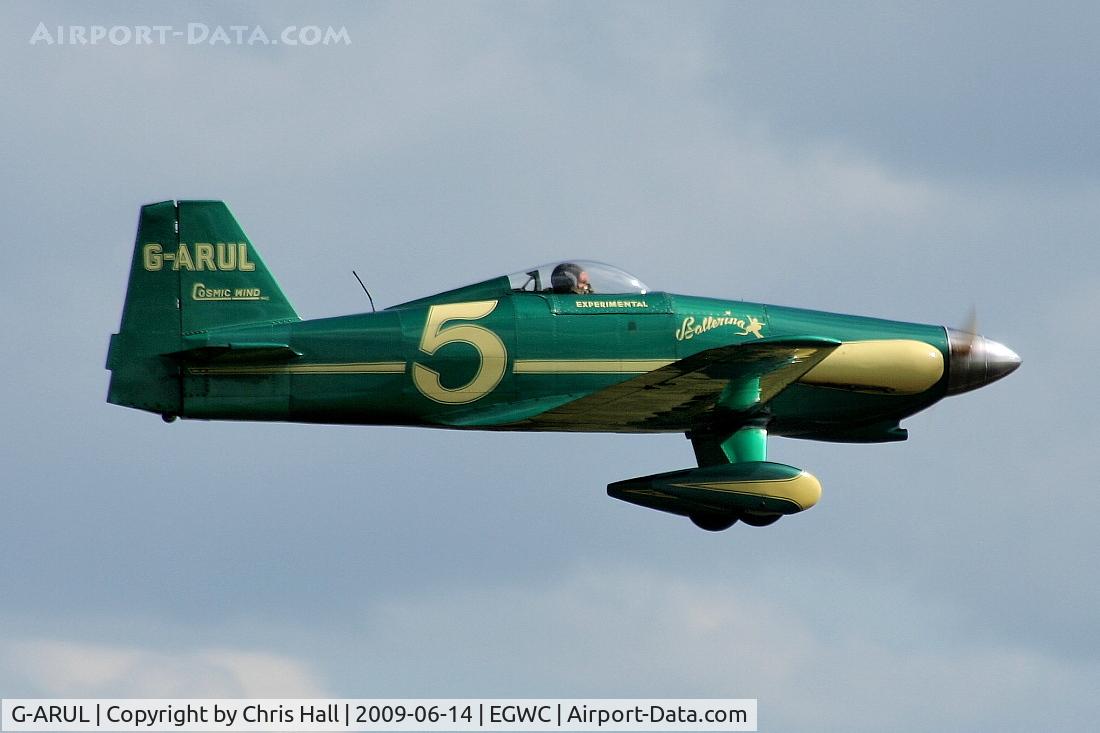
x=576, y=346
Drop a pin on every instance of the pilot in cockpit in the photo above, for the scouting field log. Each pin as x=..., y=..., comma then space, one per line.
x=570, y=278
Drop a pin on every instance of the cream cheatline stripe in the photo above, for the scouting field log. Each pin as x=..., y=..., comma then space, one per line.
x=588, y=366
x=522, y=366
x=380, y=367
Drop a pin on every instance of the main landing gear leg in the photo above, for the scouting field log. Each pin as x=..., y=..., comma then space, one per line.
x=750, y=443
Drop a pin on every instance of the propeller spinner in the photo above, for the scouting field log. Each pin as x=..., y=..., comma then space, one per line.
x=975, y=360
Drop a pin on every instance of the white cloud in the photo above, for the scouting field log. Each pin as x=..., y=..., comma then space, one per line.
x=66, y=668
x=635, y=633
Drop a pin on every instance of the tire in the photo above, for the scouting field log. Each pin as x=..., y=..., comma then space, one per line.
x=714, y=522
x=760, y=520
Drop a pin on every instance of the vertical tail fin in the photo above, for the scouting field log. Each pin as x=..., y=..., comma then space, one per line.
x=222, y=280
x=193, y=270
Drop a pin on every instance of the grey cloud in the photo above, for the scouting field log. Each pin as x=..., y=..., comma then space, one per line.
x=723, y=150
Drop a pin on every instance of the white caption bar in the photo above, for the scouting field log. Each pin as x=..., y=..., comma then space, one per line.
x=317, y=716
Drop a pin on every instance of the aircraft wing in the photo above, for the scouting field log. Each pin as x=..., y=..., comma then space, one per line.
x=719, y=383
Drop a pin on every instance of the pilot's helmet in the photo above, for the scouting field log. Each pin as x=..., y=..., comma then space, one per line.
x=566, y=278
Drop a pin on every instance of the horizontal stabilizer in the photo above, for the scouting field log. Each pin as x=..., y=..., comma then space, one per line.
x=235, y=353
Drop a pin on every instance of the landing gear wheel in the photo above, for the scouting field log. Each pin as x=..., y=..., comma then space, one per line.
x=760, y=520
x=714, y=522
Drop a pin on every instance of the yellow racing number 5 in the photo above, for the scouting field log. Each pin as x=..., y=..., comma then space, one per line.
x=492, y=356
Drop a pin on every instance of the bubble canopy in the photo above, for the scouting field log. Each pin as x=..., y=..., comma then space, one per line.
x=557, y=276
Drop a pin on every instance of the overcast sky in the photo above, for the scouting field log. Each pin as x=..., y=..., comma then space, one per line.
x=905, y=161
